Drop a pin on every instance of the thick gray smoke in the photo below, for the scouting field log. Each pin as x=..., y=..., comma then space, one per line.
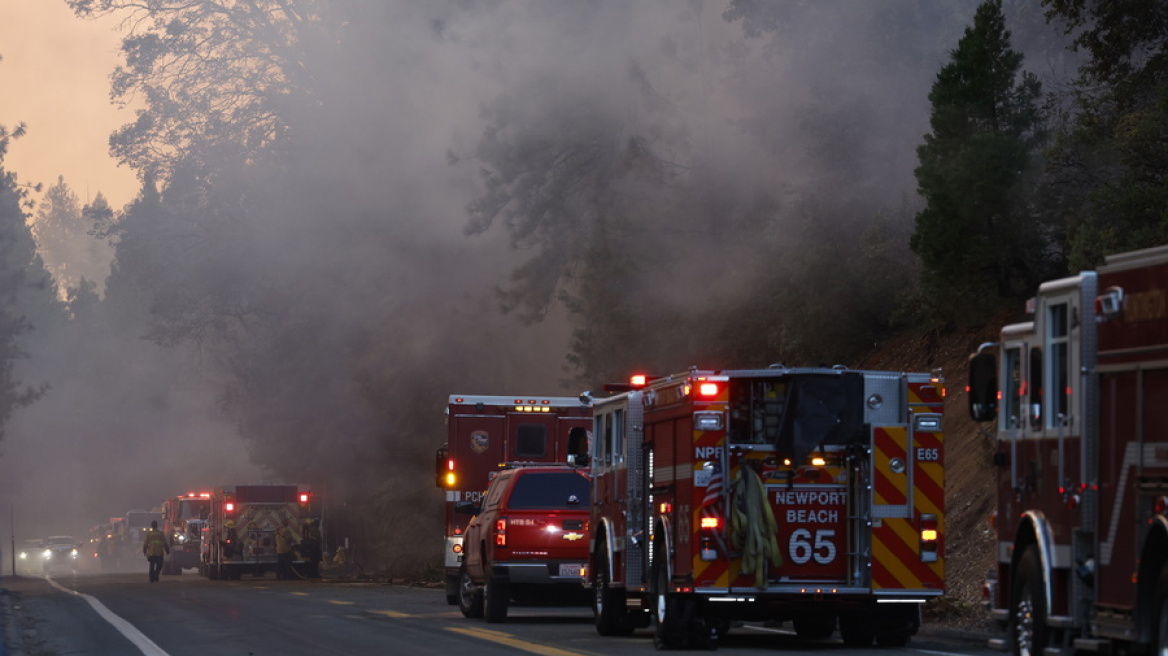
x=320, y=307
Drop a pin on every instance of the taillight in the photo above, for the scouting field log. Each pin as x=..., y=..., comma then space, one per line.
x=450, y=479
x=229, y=506
x=711, y=523
x=930, y=536
x=304, y=498
x=501, y=532
x=708, y=389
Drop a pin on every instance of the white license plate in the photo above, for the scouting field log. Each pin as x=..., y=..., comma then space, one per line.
x=570, y=569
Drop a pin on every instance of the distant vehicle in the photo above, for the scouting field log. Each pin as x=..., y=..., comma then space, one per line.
x=60, y=554
x=31, y=556
x=183, y=518
x=239, y=533
x=528, y=542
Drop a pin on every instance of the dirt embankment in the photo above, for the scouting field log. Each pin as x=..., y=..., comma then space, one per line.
x=969, y=476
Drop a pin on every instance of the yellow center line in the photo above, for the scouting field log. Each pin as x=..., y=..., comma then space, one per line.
x=389, y=613
x=340, y=602
x=511, y=641
x=299, y=594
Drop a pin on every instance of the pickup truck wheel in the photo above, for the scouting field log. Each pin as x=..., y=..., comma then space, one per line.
x=608, y=604
x=470, y=596
x=495, y=598
x=1028, y=632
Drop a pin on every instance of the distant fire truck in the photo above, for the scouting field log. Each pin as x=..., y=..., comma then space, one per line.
x=803, y=495
x=240, y=533
x=183, y=518
x=1082, y=461
x=486, y=432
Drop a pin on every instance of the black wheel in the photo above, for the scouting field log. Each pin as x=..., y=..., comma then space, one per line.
x=470, y=596
x=856, y=628
x=668, y=628
x=892, y=639
x=608, y=604
x=495, y=598
x=814, y=625
x=896, y=624
x=1160, y=641
x=1028, y=629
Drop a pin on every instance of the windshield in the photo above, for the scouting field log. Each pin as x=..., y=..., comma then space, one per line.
x=550, y=491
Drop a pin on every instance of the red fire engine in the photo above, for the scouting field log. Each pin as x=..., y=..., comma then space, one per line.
x=1082, y=461
x=809, y=495
x=183, y=518
x=486, y=432
x=240, y=533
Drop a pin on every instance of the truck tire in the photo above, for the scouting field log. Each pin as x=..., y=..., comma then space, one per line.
x=470, y=596
x=1028, y=629
x=674, y=624
x=1160, y=639
x=608, y=603
x=856, y=628
x=495, y=598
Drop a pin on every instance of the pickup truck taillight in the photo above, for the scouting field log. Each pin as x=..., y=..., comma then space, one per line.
x=501, y=532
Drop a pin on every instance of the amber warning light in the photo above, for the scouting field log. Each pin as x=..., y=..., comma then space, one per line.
x=450, y=478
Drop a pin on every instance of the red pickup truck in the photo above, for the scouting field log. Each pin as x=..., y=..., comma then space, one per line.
x=527, y=543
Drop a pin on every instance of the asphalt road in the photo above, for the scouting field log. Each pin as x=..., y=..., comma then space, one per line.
x=123, y=614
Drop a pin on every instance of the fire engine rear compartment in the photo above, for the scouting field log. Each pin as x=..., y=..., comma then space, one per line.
x=839, y=457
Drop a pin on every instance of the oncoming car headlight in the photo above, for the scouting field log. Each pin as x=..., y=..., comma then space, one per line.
x=48, y=554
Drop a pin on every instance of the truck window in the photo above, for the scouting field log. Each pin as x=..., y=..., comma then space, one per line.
x=756, y=411
x=550, y=491
x=1058, y=331
x=1035, y=384
x=1012, y=392
x=531, y=441
x=618, y=447
x=605, y=447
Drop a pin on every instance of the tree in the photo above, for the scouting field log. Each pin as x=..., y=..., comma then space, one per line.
x=214, y=75
x=21, y=273
x=977, y=237
x=58, y=231
x=1109, y=165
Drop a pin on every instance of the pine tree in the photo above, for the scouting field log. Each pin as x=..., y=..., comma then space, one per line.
x=19, y=269
x=977, y=238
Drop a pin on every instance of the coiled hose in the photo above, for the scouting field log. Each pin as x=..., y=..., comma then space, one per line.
x=753, y=530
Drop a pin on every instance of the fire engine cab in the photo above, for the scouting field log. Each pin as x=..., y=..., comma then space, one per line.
x=1082, y=461
x=814, y=496
x=485, y=432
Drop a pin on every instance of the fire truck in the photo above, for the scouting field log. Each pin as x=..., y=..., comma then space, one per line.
x=240, y=533
x=1081, y=460
x=183, y=518
x=814, y=496
x=486, y=432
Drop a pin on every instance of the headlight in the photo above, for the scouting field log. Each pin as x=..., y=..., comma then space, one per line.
x=48, y=554
x=73, y=554
x=23, y=556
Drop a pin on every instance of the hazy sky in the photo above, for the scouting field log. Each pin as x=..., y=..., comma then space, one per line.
x=54, y=77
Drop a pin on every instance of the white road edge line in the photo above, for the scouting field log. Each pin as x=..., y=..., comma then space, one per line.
x=132, y=634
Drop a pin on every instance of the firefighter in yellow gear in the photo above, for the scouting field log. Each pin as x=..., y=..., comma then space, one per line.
x=285, y=551
x=154, y=547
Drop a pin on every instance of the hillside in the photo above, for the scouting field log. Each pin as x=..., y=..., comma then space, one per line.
x=969, y=490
